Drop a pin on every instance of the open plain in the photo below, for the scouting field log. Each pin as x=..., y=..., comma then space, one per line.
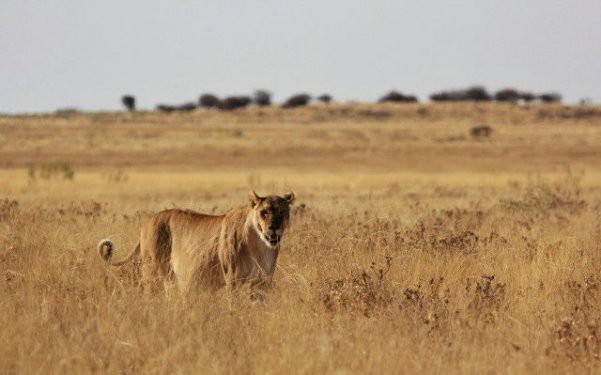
x=414, y=247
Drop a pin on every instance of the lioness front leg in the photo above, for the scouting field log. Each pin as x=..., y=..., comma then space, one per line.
x=258, y=288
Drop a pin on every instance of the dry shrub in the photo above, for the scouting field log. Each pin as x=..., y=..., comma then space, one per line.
x=483, y=131
x=8, y=207
x=115, y=176
x=299, y=210
x=452, y=231
x=578, y=335
x=464, y=241
x=365, y=292
x=544, y=198
x=88, y=209
x=569, y=113
x=422, y=237
x=441, y=308
x=422, y=112
x=487, y=298
x=428, y=305
x=376, y=114
x=51, y=170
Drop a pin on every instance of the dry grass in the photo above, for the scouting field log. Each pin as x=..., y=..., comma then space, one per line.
x=414, y=247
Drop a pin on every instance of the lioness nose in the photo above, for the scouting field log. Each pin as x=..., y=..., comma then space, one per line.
x=272, y=226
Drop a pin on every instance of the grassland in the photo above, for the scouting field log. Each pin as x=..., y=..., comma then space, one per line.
x=414, y=247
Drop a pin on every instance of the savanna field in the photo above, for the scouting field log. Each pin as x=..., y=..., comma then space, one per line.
x=414, y=246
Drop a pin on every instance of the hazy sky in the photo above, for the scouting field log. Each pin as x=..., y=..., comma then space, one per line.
x=86, y=54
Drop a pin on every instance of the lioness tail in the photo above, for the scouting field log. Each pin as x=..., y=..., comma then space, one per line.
x=105, y=250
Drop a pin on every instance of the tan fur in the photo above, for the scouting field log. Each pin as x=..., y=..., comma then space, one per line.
x=206, y=251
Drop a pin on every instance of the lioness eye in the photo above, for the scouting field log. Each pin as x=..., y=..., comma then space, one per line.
x=264, y=213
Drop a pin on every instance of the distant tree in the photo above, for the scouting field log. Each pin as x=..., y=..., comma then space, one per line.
x=67, y=111
x=262, y=98
x=443, y=96
x=208, y=101
x=129, y=102
x=508, y=95
x=165, y=108
x=234, y=102
x=474, y=93
x=298, y=100
x=450, y=96
x=325, y=98
x=397, y=97
x=186, y=107
x=477, y=94
x=168, y=108
x=527, y=97
x=550, y=97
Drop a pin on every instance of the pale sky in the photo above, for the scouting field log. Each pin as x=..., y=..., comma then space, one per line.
x=86, y=54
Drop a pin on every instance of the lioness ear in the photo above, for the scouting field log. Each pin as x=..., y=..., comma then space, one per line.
x=254, y=199
x=289, y=197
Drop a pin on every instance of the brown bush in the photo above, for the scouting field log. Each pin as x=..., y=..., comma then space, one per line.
x=232, y=103
x=325, y=98
x=481, y=131
x=299, y=100
x=208, y=101
x=168, y=108
x=8, y=208
x=365, y=291
x=397, y=97
x=578, y=335
x=262, y=98
x=550, y=97
x=508, y=95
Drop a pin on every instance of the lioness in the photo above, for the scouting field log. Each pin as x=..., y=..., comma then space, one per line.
x=198, y=250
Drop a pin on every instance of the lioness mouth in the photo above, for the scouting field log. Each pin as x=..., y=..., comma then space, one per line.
x=273, y=240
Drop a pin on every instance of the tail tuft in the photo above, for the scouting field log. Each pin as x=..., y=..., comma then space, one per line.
x=105, y=249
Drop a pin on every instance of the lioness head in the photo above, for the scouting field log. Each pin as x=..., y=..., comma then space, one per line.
x=271, y=215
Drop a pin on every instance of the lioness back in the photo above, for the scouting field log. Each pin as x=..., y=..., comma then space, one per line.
x=181, y=242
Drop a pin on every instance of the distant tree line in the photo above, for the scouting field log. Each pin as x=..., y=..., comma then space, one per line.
x=397, y=97
x=480, y=94
x=262, y=98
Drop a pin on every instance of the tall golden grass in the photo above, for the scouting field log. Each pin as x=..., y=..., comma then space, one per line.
x=414, y=247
